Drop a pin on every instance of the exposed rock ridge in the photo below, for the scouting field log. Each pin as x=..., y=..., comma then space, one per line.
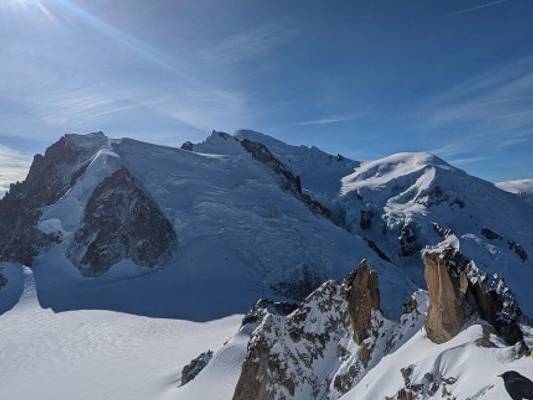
x=288, y=181
x=263, y=306
x=363, y=299
x=339, y=323
x=459, y=292
x=121, y=221
x=191, y=370
x=49, y=178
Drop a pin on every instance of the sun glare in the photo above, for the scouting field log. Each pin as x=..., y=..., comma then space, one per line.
x=25, y=8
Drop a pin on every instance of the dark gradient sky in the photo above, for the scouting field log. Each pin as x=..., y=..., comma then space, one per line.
x=363, y=78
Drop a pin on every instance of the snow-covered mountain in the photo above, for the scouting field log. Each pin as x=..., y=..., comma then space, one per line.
x=522, y=188
x=518, y=186
x=115, y=218
x=337, y=344
x=205, y=230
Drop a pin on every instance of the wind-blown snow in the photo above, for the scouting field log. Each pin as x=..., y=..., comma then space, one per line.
x=518, y=186
x=522, y=188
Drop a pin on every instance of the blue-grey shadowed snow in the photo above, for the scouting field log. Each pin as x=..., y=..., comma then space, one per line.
x=12, y=286
x=238, y=236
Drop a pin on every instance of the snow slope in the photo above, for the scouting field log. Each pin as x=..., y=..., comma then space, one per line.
x=416, y=197
x=86, y=355
x=242, y=235
x=522, y=188
x=407, y=201
x=313, y=353
x=518, y=186
x=239, y=235
x=464, y=368
x=320, y=172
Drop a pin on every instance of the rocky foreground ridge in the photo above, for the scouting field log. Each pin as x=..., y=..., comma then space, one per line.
x=323, y=347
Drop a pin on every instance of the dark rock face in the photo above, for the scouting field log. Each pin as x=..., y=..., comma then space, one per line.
x=288, y=182
x=441, y=230
x=518, y=249
x=365, y=222
x=428, y=387
x=251, y=384
x=49, y=178
x=187, y=146
x=490, y=234
x=259, y=309
x=363, y=299
x=311, y=352
x=409, y=244
x=377, y=250
x=3, y=280
x=300, y=284
x=458, y=292
x=121, y=221
x=191, y=370
x=435, y=196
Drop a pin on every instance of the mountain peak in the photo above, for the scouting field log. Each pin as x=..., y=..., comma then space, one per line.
x=88, y=140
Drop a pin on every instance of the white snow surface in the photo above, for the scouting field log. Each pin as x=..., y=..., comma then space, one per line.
x=238, y=235
x=94, y=354
x=523, y=188
x=517, y=186
x=320, y=172
x=69, y=337
x=475, y=368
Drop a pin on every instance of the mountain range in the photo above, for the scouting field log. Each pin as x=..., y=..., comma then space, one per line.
x=398, y=278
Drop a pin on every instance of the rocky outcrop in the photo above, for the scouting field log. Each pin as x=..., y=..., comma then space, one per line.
x=48, y=179
x=518, y=249
x=288, y=181
x=365, y=222
x=377, y=250
x=490, y=234
x=446, y=315
x=363, y=300
x=3, y=280
x=191, y=370
x=409, y=244
x=187, y=146
x=442, y=231
x=121, y=221
x=431, y=384
x=459, y=292
x=339, y=324
x=263, y=306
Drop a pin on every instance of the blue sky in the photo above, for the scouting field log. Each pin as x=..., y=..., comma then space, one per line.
x=362, y=78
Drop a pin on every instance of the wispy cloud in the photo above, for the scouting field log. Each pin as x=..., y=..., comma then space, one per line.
x=467, y=160
x=477, y=8
x=13, y=167
x=493, y=107
x=247, y=44
x=331, y=120
x=201, y=89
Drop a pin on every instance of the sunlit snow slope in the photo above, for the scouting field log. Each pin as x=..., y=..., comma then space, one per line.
x=86, y=355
